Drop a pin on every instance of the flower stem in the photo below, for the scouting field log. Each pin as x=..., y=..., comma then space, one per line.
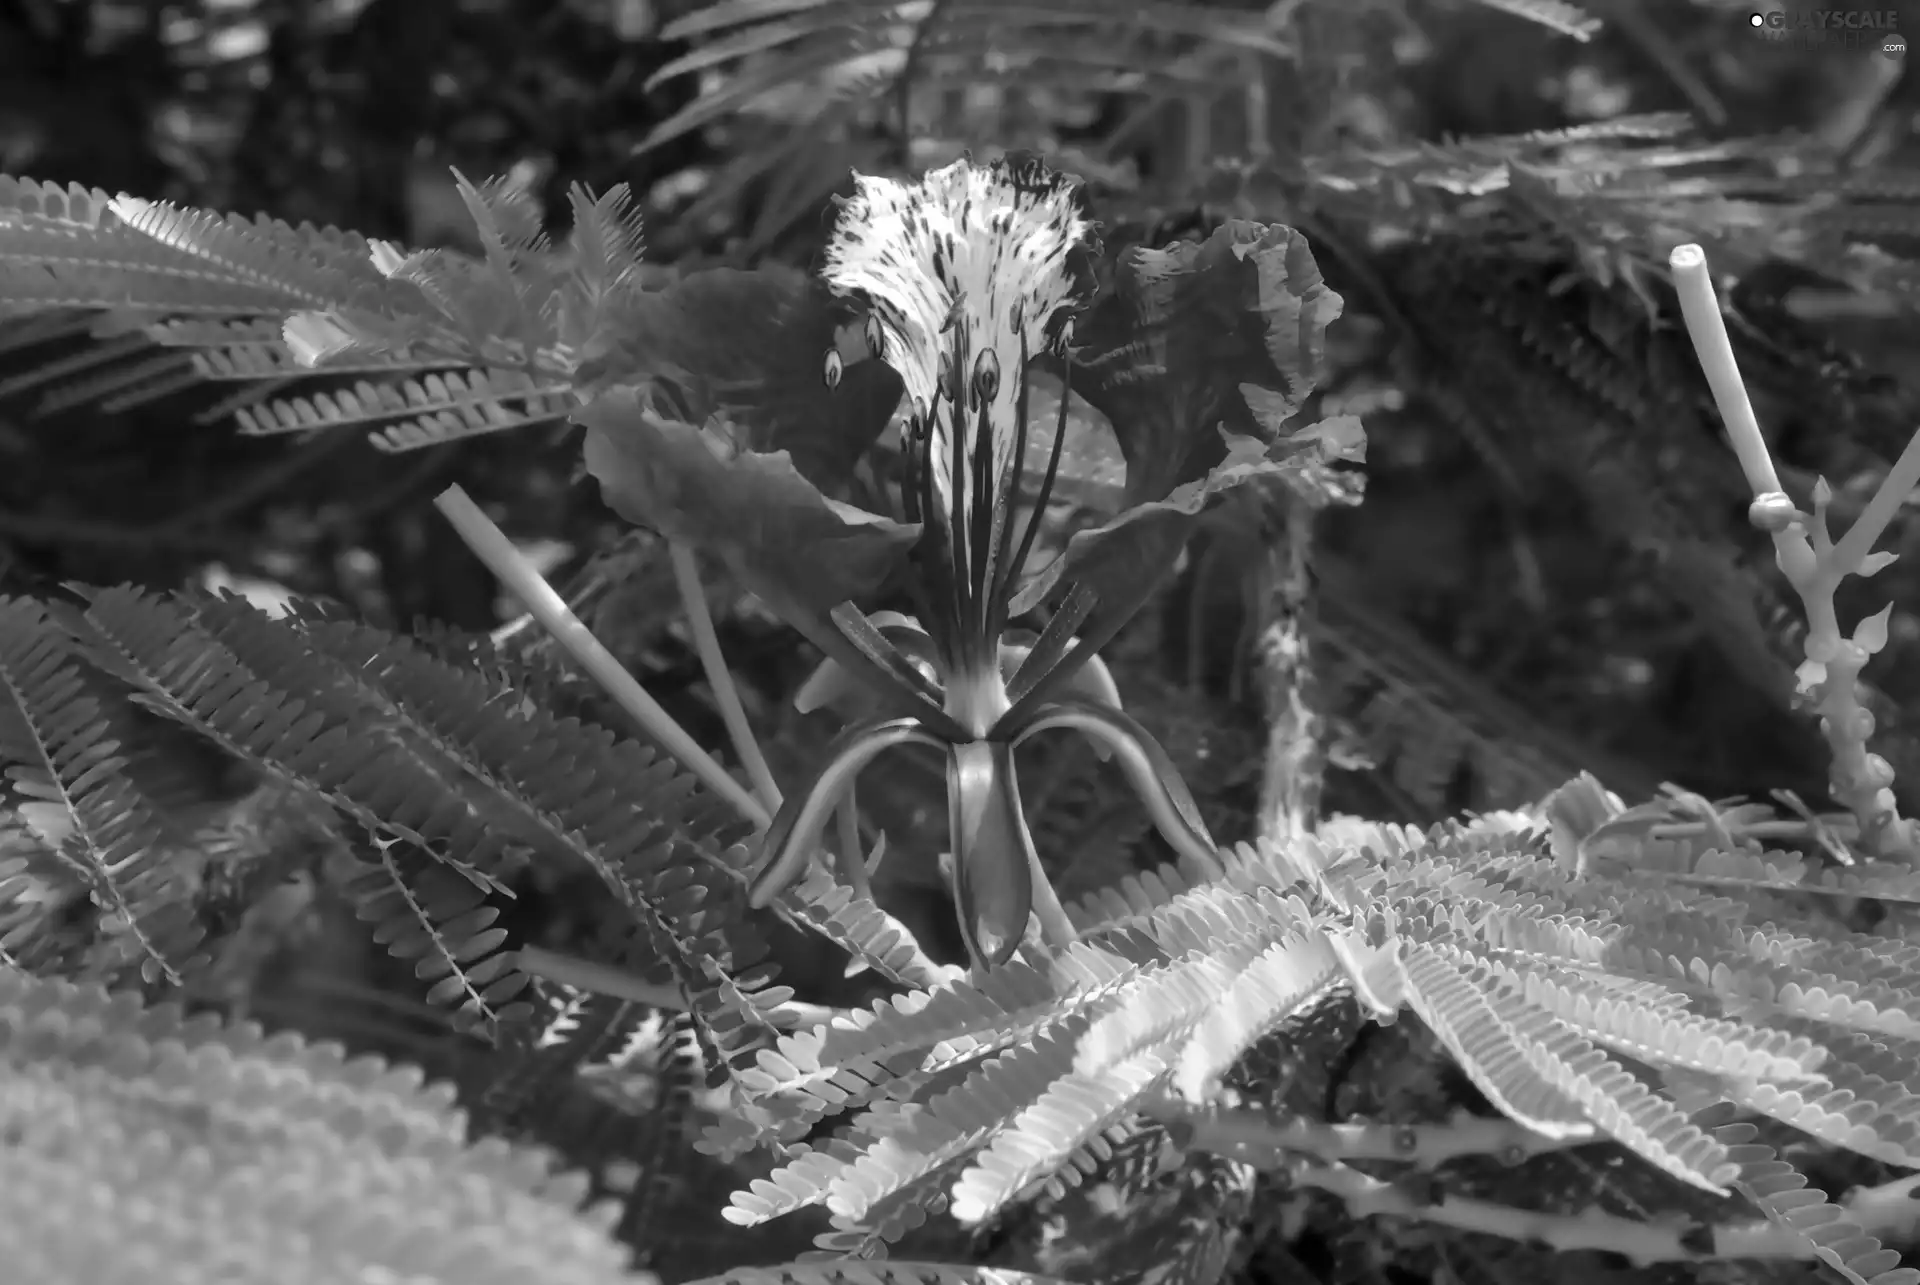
x=492, y=547
x=853, y=857
x=600, y=979
x=1708, y=330
x=1813, y=564
x=686, y=573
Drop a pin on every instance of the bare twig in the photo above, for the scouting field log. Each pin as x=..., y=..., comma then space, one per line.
x=1261, y=1136
x=600, y=979
x=1594, y=1229
x=1814, y=564
x=528, y=585
x=686, y=573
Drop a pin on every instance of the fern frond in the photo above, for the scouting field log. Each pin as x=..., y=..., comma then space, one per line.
x=428, y=761
x=1290, y=977
x=1490, y=1053
x=1862, y=1101
x=56, y=748
x=819, y=902
x=1162, y=1008
x=306, y=267
x=258, y=302
x=1709, y=866
x=1044, y=1137
x=916, y=1145
x=427, y=914
x=651, y=843
x=1793, y=1019
x=78, y=248
x=1557, y=1058
x=809, y=1075
x=1671, y=1037
x=1782, y=1193
x=423, y=412
x=492, y=677
x=216, y=1150
x=1067, y=1053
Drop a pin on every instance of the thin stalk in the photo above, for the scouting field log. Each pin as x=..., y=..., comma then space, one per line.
x=1814, y=565
x=492, y=547
x=1708, y=330
x=1899, y=483
x=852, y=854
x=599, y=979
x=686, y=573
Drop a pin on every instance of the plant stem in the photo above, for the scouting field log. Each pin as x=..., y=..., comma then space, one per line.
x=686, y=574
x=1893, y=491
x=599, y=979
x=1814, y=565
x=1592, y=1229
x=1261, y=1134
x=492, y=547
x=853, y=857
x=1708, y=330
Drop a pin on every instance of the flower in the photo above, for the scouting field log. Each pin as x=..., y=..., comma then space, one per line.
x=966, y=278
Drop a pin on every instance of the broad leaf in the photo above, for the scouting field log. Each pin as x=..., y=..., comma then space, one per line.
x=1196, y=348
x=798, y=551
x=1167, y=352
x=1115, y=558
x=751, y=347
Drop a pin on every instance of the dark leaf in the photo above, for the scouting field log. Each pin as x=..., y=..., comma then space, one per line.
x=800, y=552
x=1165, y=354
x=751, y=347
x=1142, y=542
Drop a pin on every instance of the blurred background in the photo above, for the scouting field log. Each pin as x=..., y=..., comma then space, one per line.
x=1467, y=588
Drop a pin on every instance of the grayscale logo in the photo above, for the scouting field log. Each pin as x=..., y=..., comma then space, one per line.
x=1866, y=30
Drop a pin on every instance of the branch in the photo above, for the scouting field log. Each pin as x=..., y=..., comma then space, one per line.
x=1260, y=1138
x=526, y=584
x=1641, y=1242
x=686, y=573
x=1814, y=565
x=599, y=979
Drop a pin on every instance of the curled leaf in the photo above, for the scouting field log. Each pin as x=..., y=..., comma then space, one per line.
x=795, y=832
x=798, y=551
x=1149, y=769
x=1198, y=356
x=1172, y=352
x=1143, y=541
